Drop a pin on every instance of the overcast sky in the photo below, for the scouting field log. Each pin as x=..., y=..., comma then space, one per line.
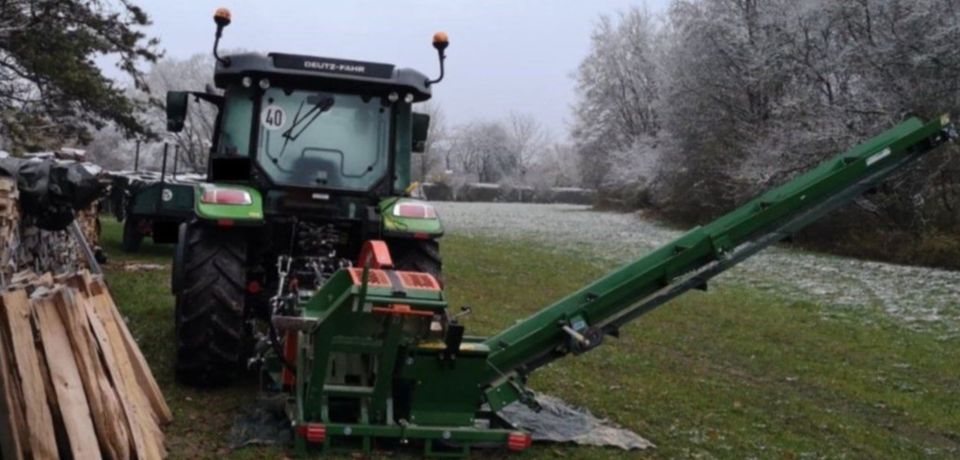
x=504, y=55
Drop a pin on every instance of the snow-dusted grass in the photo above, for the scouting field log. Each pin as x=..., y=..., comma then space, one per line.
x=921, y=298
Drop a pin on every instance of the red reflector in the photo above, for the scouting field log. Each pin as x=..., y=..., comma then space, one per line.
x=254, y=287
x=225, y=196
x=517, y=441
x=225, y=223
x=421, y=236
x=415, y=210
x=314, y=432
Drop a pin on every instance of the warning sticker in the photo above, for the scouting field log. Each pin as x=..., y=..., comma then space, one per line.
x=878, y=156
x=273, y=117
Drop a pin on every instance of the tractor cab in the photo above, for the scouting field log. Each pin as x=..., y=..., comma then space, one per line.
x=308, y=123
x=317, y=123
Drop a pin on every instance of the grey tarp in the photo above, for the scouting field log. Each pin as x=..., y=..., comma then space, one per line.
x=558, y=421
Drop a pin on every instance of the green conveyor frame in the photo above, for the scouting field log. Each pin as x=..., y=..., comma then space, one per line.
x=579, y=321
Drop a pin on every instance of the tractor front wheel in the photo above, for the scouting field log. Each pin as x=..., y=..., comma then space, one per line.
x=210, y=313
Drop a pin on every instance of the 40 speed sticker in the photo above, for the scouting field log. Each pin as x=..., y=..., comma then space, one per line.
x=273, y=117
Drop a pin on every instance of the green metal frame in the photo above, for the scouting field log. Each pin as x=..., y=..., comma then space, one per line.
x=443, y=398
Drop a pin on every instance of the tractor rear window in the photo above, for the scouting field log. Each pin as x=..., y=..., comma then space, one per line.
x=311, y=139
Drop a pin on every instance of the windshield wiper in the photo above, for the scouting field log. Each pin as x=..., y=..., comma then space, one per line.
x=321, y=102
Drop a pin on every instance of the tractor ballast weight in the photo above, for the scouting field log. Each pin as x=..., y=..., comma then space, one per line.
x=378, y=360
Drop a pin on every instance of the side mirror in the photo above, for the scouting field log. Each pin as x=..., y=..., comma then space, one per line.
x=176, y=110
x=421, y=124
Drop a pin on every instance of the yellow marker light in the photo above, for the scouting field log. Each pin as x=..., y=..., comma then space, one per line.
x=222, y=16
x=440, y=40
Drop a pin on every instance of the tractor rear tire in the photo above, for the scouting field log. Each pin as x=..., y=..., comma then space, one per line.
x=131, y=235
x=210, y=315
x=417, y=256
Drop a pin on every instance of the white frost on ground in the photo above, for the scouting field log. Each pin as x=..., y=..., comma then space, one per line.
x=923, y=298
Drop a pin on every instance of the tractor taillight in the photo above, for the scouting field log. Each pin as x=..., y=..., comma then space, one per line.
x=314, y=432
x=518, y=441
x=414, y=210
x=226, y=196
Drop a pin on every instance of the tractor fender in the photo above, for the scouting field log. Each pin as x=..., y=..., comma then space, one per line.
x=229, y=204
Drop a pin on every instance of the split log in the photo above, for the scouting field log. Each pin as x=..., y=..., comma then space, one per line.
x=65, y=377
x=41, y=440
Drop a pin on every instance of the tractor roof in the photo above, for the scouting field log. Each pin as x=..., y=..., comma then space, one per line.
x=338, y=75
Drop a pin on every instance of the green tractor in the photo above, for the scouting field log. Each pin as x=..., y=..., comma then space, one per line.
x=310, y=158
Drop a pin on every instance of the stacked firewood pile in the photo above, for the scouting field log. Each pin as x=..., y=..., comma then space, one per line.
x=9, y=225
x=73, y=383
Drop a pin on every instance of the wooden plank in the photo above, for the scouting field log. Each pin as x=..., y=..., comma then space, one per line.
x=142, y=415
x=66, y=380
x=59, y=432
x=39, y=422
x=140, y=367
x=104, y=404
x=128, y=415
x=13, y=438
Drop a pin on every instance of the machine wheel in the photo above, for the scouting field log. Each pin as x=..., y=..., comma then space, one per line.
x=210, y=328
x=418, y=256
x=131, y=235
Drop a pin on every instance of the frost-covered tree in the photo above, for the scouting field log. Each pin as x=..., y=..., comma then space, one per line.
x=618, y=86
x=51, y=90
x=192, y=74
x=748, y=93
x=557, y=166
x=494, y=151
x=527, y=142
x=482, y=149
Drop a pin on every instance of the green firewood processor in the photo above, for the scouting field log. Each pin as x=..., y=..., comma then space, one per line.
x=308, y=260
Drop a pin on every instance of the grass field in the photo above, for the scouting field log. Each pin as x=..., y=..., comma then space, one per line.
x=723, y=374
